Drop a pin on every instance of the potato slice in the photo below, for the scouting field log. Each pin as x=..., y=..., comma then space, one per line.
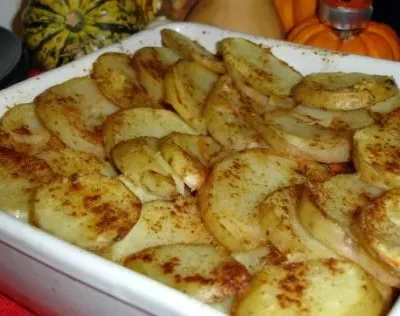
x=191, y=50
x=151, y=65
x=187, y=85
x=278, y=215
x=288, y=134
x=203, y=148
x=340, y=239
x=192, y=172
x=226, y=121
x=201, y=271
x=141, y=122
x=340, y=91
x=163, y=223
x=376, y=153
x=255, y=65
x=335, y=119
x=235, y=187
x=20, y=175
x=315, y=287
x=382, y=109
x=68, y=162
x=262, y=104
x=90, y=211
x=255, y=259
x=22, y=131
x=150, y=176
x=117, y=80
x=75, y=111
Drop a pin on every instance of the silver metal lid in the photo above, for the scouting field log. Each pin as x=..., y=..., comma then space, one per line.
x=344, y=19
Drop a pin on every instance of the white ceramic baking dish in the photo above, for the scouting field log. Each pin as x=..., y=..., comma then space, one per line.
x=54, y=278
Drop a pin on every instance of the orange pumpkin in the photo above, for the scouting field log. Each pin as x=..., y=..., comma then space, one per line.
x=375, y=40
x=292, y=12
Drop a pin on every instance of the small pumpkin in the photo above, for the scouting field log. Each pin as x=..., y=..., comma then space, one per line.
x=375, y=40
x=292, y=12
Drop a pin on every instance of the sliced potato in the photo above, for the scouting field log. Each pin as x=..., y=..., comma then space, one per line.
x=255, y=65
x=382, y=109
x=151, y=65
x=341, y=240
x=22, y=131
x=74, y=111
x=236, y=185
x=335, y=119
x=90, y=211
x=315, y=287
x=191, y=50
x=187, y=85
x=68, y=162
x=277, y=213
x=377, y=227
x=376, y=153
x=201, y=271
x=117, y=80
x=150, y=175
x=340, y=91
x=226, y=122
x=288, y=134
x=163, y=223
x=203, y=148
x=262, y=104
x=255, y=259
x=20, y=175
x=188, y=168
x=141, y=122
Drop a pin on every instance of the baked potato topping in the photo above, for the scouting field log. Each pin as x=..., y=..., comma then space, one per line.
x=230, y=177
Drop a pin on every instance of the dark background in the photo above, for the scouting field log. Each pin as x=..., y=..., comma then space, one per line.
x=387, y=11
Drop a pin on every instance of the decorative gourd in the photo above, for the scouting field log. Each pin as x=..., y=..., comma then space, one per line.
x=59, y=31
x=257, y=17
x=292, y=12
x=375, y=40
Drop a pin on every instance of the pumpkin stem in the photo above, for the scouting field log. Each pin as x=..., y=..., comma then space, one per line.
x=74, y=21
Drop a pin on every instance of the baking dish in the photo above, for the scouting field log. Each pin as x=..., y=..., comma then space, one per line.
x=55, y=278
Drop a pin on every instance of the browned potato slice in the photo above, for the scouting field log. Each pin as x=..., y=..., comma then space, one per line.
x=203, y=148
x=68, y=162
x=75, y=111
x=151, y=65
x=141, y=122
x=255, y=259
x=117, y=80
x=188, y=168
x=341, y=197
x=163, y=223
x=191, y=50
x=289, y=134
x=335, y=119
x=201, y=271
x=376, y=153
x=340, y=91
x=226, y=121
x=255, y=65
x=235, y=187
x=146, y=173
x=20, y=175
x=278, y=220
x=382, y=109
x=91, y=211
x=377, y=228
x=22, y=131
x=187, y=85
x=315, y=287
x=262, y=104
